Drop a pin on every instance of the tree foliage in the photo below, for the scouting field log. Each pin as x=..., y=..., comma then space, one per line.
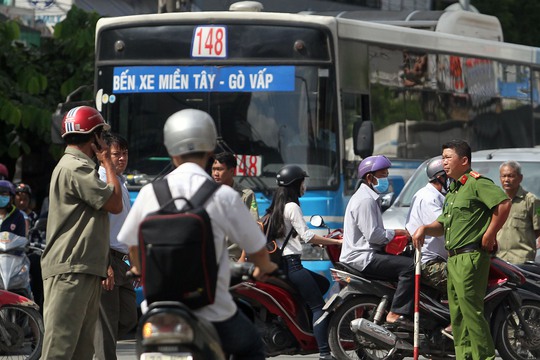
x=34, y=80
x=518, y=19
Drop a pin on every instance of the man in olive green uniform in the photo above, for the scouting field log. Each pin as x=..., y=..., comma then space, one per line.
x=77, y=254
x=474, y=210
x=517, y=238
x=223, y=170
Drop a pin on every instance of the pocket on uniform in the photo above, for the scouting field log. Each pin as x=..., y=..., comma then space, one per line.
x=464, y=208
x=519, y=219
x=474, y=258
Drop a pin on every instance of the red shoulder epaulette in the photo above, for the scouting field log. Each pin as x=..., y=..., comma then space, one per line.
x=474, y=174
x=463, y=179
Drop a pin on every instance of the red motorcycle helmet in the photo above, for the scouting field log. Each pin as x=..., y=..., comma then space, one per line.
x=82, y=120
x=4, y=173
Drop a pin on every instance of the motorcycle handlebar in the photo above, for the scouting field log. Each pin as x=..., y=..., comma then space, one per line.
x=243, y=271
x=36, y=245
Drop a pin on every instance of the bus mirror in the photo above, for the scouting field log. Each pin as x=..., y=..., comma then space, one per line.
x=363, y=138
x=56, y=127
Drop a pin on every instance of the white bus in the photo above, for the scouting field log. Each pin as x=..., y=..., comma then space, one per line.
x=313, y=89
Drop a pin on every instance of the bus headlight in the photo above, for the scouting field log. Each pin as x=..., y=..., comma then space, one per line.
x=164, y=327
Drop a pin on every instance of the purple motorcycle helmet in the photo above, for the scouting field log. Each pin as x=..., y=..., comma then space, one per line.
x=372, y=164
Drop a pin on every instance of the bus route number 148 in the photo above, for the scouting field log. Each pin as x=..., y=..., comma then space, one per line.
x=209, y=42
x=248, y=165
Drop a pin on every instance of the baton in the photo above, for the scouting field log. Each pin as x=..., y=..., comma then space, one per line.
x=417, y=278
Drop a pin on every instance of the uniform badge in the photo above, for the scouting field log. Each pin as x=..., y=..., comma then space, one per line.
x=474, y=174
x=463, y=179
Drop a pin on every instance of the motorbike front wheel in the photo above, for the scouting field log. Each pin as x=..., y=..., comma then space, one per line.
x=512, y=343
x=346, y=345
x=21, y=333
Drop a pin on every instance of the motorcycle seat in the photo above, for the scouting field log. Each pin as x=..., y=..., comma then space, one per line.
x=352, y=270
x=284, y=284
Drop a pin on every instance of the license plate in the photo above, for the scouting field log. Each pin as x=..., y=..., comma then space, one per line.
x=161, y=356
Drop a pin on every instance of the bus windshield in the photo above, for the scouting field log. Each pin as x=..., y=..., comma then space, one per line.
x=295, y=123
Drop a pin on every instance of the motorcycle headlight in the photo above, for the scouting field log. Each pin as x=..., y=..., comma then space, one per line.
x=166, y=327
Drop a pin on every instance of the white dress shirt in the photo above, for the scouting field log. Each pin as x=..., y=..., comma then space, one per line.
x=363, y=229
x=229, y=216
x=426, y=206
x=295, y=218
x=117, y=220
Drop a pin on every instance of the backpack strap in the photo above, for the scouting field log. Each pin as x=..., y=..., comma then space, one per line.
x=164, y=196
x=201, y=196
x=288, y=235
x=287, y=238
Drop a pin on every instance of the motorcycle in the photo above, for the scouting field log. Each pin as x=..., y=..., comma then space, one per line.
x=35, y=249
x=14, y=264
x=357, y=328
x=279, y=312
x=531, y=271
x=21, y=327
x=170, y=329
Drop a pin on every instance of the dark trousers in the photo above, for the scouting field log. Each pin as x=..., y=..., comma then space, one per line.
x=400, y=269
x=240, y=338
x=311, y=286
x=118, y=312
x=36, y=281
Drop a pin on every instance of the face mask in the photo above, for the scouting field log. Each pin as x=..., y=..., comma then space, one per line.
x=4, y=201
x=382, y=185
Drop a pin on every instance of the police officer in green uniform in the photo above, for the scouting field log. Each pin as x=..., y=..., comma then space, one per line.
x=474, y=210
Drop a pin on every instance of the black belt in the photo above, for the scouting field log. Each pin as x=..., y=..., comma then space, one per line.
x=464, y=249
x=119, y=255
x=291, y=256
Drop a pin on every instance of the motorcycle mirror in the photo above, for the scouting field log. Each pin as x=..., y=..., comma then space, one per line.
x=317, y=221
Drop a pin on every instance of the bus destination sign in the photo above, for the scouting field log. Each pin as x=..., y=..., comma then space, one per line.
x=154, y=79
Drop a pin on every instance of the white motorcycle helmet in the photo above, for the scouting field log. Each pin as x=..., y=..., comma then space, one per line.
x=188, y=131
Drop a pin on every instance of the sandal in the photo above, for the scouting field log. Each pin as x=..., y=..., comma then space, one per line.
x=403, y=323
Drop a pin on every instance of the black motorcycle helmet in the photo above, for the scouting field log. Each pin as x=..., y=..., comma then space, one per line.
x=289, y=174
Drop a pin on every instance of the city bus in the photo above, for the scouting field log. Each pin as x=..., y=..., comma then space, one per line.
x=321, y=91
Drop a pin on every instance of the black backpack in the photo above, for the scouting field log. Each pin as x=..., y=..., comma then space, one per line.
x=178, y=256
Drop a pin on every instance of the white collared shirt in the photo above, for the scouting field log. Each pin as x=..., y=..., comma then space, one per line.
x=363, y=228
x=426, y=206
x=117, y=220
x=293, y=217
x=229, y=216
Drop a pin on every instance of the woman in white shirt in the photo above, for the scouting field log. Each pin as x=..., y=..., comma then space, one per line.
x=287, y=217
